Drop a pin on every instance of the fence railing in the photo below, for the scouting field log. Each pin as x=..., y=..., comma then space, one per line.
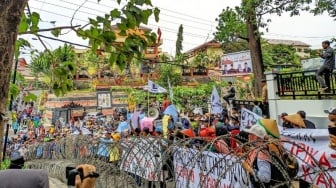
x=149, y=162
x=295, y=84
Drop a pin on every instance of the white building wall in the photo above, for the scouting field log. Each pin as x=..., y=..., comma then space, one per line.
x=314, y=108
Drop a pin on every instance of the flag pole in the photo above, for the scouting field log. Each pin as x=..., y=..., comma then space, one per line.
x=210, y=110
x=148, y=100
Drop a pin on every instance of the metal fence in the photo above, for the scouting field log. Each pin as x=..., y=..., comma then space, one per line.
x=294, y=84
x=149, y=162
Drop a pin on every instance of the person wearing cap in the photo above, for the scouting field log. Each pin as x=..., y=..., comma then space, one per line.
x=295, y=120
x=259, y=171
x=308, y=124
x=327, y=68
x=285, y=123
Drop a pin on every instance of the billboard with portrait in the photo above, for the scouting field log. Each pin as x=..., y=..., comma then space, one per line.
x=104, y=99
x=238, y=63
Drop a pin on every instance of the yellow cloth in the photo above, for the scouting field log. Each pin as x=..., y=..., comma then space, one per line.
x=114, y=154
x=165, y=120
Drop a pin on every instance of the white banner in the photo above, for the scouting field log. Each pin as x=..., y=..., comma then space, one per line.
x=216, y=105
x=314, y=155
x=248, y=118
x=142, y=157
x=195, y=169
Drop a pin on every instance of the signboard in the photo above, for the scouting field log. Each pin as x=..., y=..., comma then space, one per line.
x=206, y=169
x=316, y=159
x=104, y=99
x=142, y=157
x=236, y=63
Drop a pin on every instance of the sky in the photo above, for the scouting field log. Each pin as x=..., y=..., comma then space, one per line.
x=198, y=18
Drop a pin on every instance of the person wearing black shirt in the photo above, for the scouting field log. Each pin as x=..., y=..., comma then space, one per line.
x=309, y=124
x=327, y=68
x=231, y=93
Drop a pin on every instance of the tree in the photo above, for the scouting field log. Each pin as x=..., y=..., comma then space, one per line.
x=14, y=21
x=179, y=41
x=279, y=54
x=57, y=66
x=244, y=22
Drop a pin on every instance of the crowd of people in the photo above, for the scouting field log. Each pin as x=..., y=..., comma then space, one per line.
x=224, y=131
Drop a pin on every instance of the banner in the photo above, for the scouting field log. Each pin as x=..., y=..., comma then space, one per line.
x=238, y=63
x=155, y=88
x=205, y=169
x=316, y=159
x=248, y=118
x=142, y=157
x=216, y=105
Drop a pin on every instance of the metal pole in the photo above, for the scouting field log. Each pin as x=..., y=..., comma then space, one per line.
x=10, y=109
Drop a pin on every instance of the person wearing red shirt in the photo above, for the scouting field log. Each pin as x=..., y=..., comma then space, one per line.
x=165, y=103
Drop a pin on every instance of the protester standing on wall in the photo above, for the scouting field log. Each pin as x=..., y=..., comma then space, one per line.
x=327, y=68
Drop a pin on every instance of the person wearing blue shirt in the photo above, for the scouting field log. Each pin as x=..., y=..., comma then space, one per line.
x=123, y=125
x=104, y=146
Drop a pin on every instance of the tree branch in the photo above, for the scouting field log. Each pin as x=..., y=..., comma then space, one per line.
x=49, y=29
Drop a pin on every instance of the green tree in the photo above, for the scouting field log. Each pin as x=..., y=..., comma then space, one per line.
x=14, y=21
x=235, y=46
x=57, y=67
x=179, y=40
x=243, y=22
x=279, y=54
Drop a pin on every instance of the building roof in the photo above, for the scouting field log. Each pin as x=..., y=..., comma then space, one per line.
x=287, y=42
x=211, y=43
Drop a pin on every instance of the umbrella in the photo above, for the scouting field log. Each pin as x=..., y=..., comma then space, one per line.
x=172, y=110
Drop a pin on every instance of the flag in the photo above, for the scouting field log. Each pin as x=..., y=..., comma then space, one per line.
x=216, y=105
x=155, y=88
x=170, y=91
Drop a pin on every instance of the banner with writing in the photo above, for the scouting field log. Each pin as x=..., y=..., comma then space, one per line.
x=205, y=169
x=248, y=118
x=317, y=161
x=142, y=157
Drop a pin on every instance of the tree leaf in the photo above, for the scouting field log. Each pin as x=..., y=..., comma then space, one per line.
x=115, y=13
x=156, y=14
x=23, y=26
x=56, y=32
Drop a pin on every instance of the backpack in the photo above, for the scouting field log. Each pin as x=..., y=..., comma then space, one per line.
x=284, y=167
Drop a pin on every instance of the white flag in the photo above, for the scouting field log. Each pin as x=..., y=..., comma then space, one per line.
x=216, y=105
x=155, y=88
x=170, y=91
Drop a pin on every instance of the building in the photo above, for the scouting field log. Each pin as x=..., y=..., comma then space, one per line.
x=212, y=49
x=301, y=48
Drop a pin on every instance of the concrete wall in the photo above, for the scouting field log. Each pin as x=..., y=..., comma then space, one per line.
x=313, y=108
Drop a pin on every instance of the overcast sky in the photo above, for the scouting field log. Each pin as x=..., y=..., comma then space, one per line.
x=197, y=16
